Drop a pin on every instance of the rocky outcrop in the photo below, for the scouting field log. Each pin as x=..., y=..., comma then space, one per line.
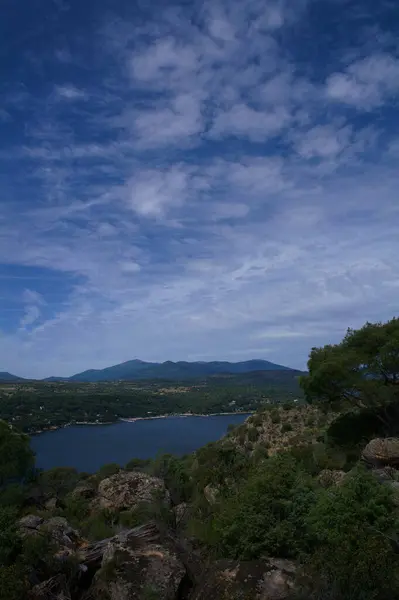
x=137, y=565
x=382, y=452
x=129, y=489
x=271, y=579
x=55, y=588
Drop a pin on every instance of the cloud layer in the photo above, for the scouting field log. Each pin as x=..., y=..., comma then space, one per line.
x=197, y=181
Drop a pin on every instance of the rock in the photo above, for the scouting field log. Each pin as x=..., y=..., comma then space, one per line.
x=383, y=475
x=84, y=490
x=394, y=486
x=271, y=579
x=52, y=589
x=211, y=493
x=382, y=452
x=29, y=524
x=128, y=489
x=329, y=477
x=135, y=568
x=181, y=512
x=52, y=504
x=61, y=532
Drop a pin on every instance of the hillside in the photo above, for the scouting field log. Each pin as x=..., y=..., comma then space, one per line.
x=137, y=369
x=4, y=376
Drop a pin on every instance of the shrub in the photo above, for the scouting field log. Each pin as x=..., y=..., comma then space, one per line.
x=12, y=583
x=286, y=427
x=108, y=470
x=275, y=416
x=265, y=515
x=352, y=558
x=137, y=464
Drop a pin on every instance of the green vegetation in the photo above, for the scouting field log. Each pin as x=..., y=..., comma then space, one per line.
x=288, y=484
x=37, y=406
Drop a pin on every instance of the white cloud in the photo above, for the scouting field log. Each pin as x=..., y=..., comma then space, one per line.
x=214, y=199
x=70, y=92
x=366, y=83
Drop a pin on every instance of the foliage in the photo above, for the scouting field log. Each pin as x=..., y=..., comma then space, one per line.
x=38, y=405
x=216, y=463
x=108, y=470
x=9, y=540
x=100, y=525
x=360, y=372
x=137, y=464
x=16, y=456
x=175, y=474
x=351, y=526
x=12, y=495
x=12, y=583
x=59, y=481
x=265, y=515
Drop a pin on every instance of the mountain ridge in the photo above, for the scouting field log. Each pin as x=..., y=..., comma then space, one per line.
x=137, y=369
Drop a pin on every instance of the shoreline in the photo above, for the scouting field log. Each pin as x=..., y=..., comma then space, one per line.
x=219, y=414
x=134, y=419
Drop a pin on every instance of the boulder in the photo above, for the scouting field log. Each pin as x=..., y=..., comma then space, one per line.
x=54, y=588
x=211, y=493
x=271, y=579
x=128, y=489
x=328, y=477
x=61, y=532
x=137, y=567
x=382, y=452
x=29, y=525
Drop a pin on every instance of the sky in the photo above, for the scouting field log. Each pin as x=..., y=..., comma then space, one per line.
x=195, y=181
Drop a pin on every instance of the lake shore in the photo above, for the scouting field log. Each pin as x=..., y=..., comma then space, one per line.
x=134, y=419
x=219, y=414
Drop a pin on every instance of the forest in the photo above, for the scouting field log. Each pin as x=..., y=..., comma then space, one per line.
x=37, y=406
x=301, y=502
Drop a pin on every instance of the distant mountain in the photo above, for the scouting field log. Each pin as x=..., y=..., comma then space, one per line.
x=138, y=369
x=4, y=376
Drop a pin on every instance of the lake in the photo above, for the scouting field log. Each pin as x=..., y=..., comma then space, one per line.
x=88, y=447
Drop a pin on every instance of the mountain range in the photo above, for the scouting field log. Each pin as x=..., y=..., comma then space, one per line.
x=138, y=369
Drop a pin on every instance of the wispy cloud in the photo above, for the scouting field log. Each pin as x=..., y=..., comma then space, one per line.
x=212, y=187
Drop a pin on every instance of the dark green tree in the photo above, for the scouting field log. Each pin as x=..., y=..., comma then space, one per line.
x=360, y=372
x=16, y=456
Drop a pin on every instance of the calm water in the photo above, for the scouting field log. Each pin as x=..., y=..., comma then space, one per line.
x=88, y=447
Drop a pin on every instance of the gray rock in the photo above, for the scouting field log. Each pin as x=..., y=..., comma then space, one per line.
x=137, y=569
x=271, y=579
x=128, y=489
x=381, y=452
x=29, y=524
x=211, y=493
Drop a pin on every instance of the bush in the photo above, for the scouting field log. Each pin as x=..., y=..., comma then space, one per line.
x=253, y=434
x=59, y=481
x=12, y=583
x=137, y=464
x=275, y=417
x=100, y=525
x=265, y=516
x=350, y=526
x=285, y=427
x=10, y=542
x=108, y=470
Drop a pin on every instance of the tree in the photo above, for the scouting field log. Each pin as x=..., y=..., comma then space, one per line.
x=16, y=456
x=360, y=372
x=354, y=548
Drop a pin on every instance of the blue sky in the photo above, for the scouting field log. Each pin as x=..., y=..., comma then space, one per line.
x=194, y=181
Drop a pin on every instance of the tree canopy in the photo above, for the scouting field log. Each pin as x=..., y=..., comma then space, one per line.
x=360, y=372
x=16, y=456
